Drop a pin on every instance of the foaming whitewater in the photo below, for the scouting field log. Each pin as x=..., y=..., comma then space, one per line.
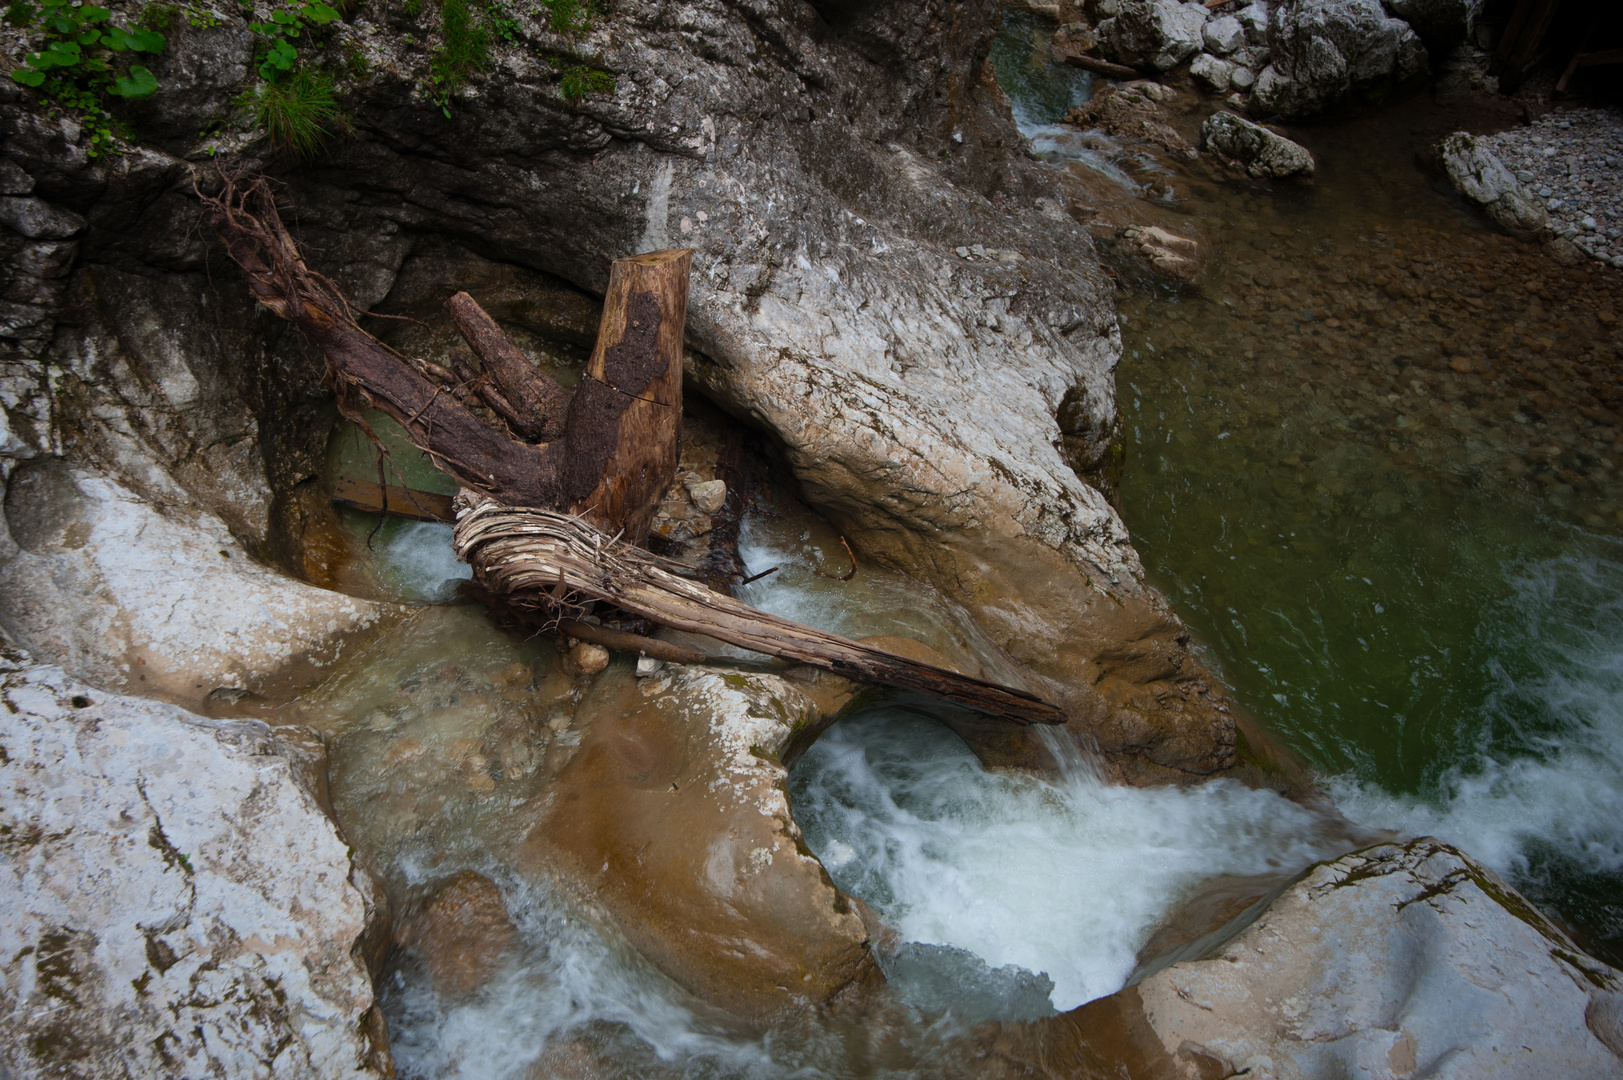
x=1065, y=878
x=572, y=997
x=417, y=558
x=1545, y=782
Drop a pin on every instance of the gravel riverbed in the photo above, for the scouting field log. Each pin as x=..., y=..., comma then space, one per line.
x=1572, y=160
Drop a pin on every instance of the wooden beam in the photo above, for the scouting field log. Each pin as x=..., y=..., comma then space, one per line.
x=394, y=501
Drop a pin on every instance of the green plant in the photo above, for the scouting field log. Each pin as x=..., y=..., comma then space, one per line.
x=464, y=47
x=300, y=114
x=286, y=26
x=581, y=80
x=159, y=16
x=359, y=66
x=80, y=65
x=21, y=14
x=571, y=16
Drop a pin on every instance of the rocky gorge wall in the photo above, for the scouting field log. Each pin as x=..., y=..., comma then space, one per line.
x=829, y=165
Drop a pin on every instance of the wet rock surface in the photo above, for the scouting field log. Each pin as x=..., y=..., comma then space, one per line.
x=1252, y=147
x=176, y=901
x=462, y=933
x=97, y=580
x=1393, y=961
x=1478, y=174
x=672, y=815
x=1568, y=164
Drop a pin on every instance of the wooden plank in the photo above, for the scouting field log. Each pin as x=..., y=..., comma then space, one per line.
x=543, y=557
x=394, y=501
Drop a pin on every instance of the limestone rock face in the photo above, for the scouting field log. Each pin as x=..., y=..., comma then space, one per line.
x=1252, y=147
x=1326, y=51
x=94, y=579
x=828, y=162
x=672, y=816
x=1154, y=34
x=1396, y=961
x=1477, y=173
x=176, y=902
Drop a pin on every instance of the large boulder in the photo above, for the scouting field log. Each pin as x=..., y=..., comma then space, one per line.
x=1236, y=141
x=1399, y=960
x=1324, y=52
x=1477, y=173
x=1157, y=35
x=177, y=903
x=96, y=580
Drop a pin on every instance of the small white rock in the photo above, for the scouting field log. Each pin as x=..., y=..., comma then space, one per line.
x=708, y=497
x=647, y=665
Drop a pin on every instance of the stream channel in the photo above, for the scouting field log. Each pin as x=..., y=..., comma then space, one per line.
x=1380, y=507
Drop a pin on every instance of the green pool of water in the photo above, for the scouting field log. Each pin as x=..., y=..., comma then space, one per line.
x=1393, y=531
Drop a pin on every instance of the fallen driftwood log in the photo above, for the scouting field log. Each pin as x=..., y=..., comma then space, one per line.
x=526, y=552
x=547, y=523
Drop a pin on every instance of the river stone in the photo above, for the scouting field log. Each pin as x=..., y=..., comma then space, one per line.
x=1211, y=72
x=97, y=581
x=1477, y=173
x=1399, y=960
x=1252, y=147
x=1154, y=34
x=176, y=902
x=462, y=933
x=708, y=496
x=1223, y=36
x=1326, y=51
x=672, y=816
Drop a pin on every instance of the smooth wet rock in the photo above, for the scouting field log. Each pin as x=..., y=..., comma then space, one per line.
x=1396, y=961
x=1324, y=52
x=94, y=579
x=1157, y=35
x=1167, y=252
x=672, y=816
x=462, y=934
x=1211, y=72
x=1236, y=141
x=1477, y=173
x=177, y=904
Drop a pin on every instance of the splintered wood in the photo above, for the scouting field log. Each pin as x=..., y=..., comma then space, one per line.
x=559, y=491
x=530, y=552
